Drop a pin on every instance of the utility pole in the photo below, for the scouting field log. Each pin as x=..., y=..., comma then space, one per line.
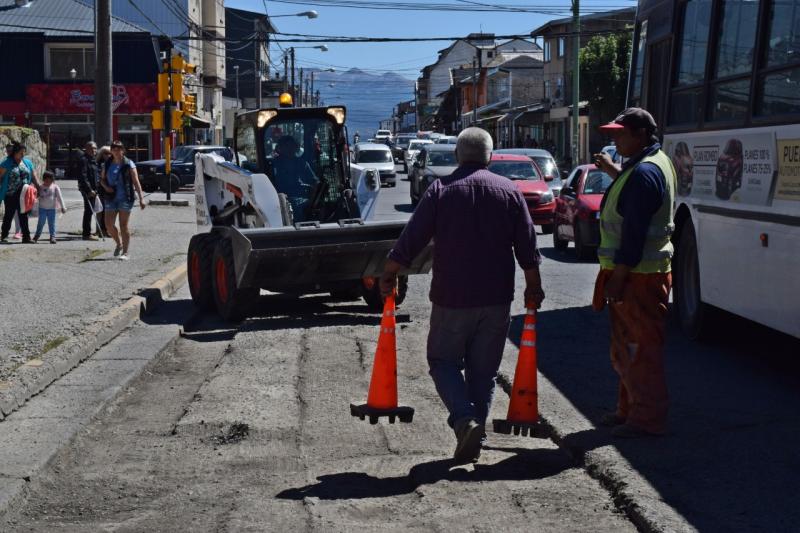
x=291, y=57
x=474, y=92
x=300, y=86
x=285, y=72
x=103, y=131
x=257, y=66
x=311, y=91
x=576, y=66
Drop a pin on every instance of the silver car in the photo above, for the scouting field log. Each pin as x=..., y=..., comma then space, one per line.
x=414, y=146
x=377, y=156
x=433, y=162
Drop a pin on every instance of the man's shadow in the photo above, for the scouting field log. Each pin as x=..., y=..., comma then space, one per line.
x=525, y=464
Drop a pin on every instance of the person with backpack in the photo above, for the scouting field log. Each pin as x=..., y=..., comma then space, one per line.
x=119, y=180
x=16, y=171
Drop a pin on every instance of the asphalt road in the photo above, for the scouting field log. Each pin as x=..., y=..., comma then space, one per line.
x=248, y=429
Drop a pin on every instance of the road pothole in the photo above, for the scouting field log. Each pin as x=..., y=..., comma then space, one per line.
x=237, y=432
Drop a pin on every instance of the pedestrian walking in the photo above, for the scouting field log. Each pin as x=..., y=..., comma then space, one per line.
x=119, y=180
x=50, y=200
x=479, y=222
x=16, y=171
x=17, y=230
x=88, y=185
x=634, y=281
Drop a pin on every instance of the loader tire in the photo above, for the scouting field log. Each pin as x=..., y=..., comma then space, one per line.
x=371, y=292
x=233, y=304
x=198, y=270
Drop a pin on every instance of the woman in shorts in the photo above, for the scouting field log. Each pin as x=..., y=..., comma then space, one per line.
x=119, y=180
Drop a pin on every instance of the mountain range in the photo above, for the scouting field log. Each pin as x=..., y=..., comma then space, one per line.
x=369, y=97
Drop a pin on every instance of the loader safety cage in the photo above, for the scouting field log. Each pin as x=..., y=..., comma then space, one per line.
x=722, y=79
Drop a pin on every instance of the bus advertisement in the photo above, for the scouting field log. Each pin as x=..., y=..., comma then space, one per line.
x=722, y=78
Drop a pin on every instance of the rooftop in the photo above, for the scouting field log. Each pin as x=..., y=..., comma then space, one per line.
x=57, y=18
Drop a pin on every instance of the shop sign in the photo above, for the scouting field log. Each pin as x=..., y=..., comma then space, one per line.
x=79, y=98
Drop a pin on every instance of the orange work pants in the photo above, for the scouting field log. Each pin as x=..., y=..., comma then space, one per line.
x=638, y=325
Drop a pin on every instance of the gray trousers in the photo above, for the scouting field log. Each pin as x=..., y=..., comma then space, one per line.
x=465, y=347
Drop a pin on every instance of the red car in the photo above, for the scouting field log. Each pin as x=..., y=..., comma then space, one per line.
x=530, y=182
x=578, y=210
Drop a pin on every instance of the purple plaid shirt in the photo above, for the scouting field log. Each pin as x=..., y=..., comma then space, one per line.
x=479, y=221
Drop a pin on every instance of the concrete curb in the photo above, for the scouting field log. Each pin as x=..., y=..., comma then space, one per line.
x=173, y=203
x=630, y=493
x=37, y=374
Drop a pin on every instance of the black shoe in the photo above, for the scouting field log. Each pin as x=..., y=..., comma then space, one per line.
x=469, y=435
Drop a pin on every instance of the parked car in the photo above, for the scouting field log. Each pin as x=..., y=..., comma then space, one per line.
x=414, y=146
x=432, y=162
x=544, y=160
x=152, y=173
x=530, y=182
x=578, y=210
x=401, y=141
x=377, y=156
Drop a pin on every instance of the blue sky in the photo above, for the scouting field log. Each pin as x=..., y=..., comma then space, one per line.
x=404, y=58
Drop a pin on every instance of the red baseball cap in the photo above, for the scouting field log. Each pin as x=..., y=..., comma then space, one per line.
x=632, y=118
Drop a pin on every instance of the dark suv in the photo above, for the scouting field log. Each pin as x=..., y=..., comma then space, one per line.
x=152, y=176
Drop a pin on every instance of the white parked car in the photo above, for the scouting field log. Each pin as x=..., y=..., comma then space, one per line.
x=414, y=147
x=383, y=135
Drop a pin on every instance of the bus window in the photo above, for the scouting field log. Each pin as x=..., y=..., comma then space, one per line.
x=778, y=90
x=734, y=56
x=693, y=45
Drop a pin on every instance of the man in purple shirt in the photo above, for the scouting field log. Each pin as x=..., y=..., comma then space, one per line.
x=479, y=222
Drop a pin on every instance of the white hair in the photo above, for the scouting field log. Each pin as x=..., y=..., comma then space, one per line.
x=474, y=146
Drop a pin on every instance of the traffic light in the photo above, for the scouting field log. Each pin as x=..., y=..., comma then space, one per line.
x=163, y=87
x=177, y=87
x=157, y=119
x=190, y=104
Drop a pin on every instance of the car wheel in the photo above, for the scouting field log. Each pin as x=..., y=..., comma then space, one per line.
x=233, y=304
x=149, y=187
x=558, y=242
x=371, y=292
x=173, y=184
x=405, y=168
x=198, y=270
x=547, y=229
x=693, y=315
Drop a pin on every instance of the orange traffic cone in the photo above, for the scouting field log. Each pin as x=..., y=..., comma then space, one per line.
x=523, y=410
x=382, y=398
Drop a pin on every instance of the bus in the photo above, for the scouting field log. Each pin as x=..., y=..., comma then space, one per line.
x=722, y=79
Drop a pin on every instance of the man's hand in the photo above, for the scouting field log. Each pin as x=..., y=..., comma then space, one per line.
x=603, y=162
x=92, y=194
x=615, y=286
x=388, y=280
x=534, y=295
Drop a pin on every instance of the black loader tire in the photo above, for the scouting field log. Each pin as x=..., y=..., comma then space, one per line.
x=174, y=182
x=547, y=229
x=584, y=252
x=558, y=242
x=233, y=304
x=198, y=270
x=372, y=295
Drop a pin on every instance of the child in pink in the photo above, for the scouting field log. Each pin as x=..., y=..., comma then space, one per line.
x=50, y=199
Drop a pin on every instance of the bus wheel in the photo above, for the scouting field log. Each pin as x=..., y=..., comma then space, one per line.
x=692, y=313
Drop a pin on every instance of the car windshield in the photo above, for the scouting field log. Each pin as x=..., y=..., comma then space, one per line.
x=515, y=170
x=596, y=182
x=547, y=165
x=415, y=145
x=374, y=156
x=441, y=159
x=181, y=152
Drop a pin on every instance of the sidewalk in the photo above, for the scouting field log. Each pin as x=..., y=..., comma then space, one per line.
x=54, y=292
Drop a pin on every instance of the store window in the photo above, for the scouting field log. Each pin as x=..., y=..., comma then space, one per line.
x=62, y=59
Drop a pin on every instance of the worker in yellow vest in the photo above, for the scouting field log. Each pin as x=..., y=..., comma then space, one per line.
x=634, y=281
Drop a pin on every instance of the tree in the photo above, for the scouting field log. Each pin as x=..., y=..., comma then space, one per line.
x=605, y=61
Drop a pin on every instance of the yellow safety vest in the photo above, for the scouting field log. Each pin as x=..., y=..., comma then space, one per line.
x=657, y=247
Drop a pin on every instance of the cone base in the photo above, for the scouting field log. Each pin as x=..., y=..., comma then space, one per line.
x=536, y=429
x=405, y=414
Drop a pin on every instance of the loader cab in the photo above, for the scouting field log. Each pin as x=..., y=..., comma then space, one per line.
x=302, y=151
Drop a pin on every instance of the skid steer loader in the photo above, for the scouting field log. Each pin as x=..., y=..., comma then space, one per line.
x=294, y=217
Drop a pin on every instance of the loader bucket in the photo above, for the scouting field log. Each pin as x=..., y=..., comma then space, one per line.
x=313, y=255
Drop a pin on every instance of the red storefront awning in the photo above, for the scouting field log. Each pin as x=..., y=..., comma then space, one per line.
x=78, y=98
